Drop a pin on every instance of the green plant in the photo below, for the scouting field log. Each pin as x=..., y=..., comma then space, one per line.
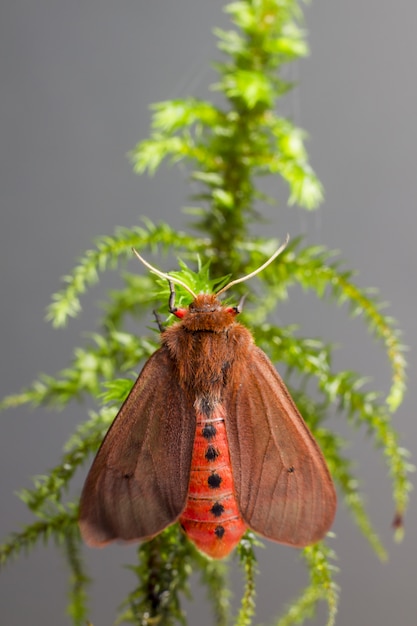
x=227, y=149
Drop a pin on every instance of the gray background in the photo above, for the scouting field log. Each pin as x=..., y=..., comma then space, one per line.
x=76, y=81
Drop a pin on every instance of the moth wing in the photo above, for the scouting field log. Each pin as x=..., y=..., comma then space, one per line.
x=137, y=485
x=283, y=486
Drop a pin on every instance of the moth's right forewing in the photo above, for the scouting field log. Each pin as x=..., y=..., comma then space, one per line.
x=283, y=486
x=138, y=482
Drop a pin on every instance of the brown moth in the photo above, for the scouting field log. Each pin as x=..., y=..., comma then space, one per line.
x=209, y=436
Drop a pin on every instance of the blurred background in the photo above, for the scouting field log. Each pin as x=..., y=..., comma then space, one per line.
x=77, y=79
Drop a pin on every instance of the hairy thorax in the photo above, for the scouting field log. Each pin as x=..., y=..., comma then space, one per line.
x=205, y=344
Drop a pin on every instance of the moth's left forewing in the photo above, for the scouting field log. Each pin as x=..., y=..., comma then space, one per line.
x=282, y=482
x=138, y=483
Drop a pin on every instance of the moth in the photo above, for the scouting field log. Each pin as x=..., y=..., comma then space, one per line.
x=209, y=437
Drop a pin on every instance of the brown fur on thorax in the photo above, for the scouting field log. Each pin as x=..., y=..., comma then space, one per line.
x=205, y=344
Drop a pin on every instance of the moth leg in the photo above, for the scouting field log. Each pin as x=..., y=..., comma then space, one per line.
x=171, y=302
x=171, y=307
x=159, y=322
x=239, y=307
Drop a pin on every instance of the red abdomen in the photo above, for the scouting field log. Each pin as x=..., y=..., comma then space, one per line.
x=211, y=517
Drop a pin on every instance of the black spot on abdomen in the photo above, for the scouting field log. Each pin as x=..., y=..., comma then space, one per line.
x=214, y=481
x=211, y=453
x=217, y=509
x=209, y=432
x=219, y=531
